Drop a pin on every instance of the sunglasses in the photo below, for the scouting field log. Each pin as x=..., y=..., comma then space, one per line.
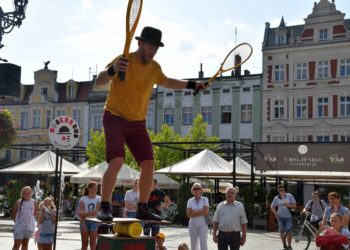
x=197, y=189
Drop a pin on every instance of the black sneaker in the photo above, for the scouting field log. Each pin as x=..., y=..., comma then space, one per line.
x=143, y=213
x=104, y=213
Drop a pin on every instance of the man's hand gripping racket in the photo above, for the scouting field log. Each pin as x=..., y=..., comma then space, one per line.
x=235, y=58
x=133, y=14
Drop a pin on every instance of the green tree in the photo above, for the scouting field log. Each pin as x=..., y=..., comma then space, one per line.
x=198, y=133
x=96, y=148
x=8, y=133
x=165, y=156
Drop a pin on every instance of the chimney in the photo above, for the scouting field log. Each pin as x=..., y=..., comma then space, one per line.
x=201, y=73
x=238, y=61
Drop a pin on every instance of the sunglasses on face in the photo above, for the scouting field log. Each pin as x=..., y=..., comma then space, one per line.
x=196, y=189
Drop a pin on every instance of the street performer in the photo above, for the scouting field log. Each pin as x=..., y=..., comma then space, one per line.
x=124, y=116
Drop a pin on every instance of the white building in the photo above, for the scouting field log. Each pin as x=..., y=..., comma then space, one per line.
x=306, y=83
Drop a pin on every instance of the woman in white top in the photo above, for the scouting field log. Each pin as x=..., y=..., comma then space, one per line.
x=89, y=204
x=23, y=213
x=197, y=208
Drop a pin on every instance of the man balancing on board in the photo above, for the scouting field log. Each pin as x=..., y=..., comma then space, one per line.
x=125, y=113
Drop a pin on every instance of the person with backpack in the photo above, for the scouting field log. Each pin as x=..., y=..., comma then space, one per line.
x=283, y=202
x=316, y=207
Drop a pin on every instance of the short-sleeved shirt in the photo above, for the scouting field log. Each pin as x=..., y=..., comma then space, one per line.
x=197, y=205
x=155, y=200
x=282, y=210
x=342, y=210
x=230, y=216
x=316, y=209
x=90, y=204
x=128, y=99
x=132, y=197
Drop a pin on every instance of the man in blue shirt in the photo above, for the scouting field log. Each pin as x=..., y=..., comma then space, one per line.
x=283, y=202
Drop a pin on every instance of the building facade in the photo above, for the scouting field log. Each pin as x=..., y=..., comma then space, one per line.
x=306, y=78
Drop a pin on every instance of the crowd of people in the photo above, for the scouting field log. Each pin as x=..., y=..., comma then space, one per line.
x=229, y=223
x=329, y=220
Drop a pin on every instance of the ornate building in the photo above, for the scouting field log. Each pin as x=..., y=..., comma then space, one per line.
x=306, y=83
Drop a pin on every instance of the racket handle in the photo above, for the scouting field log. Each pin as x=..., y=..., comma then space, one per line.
x=121, y=75
x=196, y=91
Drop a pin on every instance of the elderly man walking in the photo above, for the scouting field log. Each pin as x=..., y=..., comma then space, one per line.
x=230, y=222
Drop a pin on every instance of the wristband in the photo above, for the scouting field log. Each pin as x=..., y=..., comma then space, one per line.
x=191, y=85
x=110, y=70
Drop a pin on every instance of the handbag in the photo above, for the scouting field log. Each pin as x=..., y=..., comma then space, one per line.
x=208, y=219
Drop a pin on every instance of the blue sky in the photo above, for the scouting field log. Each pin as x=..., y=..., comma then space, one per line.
x=80, y=36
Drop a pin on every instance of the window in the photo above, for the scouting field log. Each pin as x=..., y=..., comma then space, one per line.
x=281, y=39
x=246, y=89
x=245, y=141
x=206, y=113
x=22, y=155
x=97, y=121
x=169, y=116
x=322, y=138
x=323, y=69
x=226, y=91
x=48, y=118
x=187, y=93
x=226, y=114
x=77, y=117
x=36, y=118
x=44, y=93
x=345, y=106
x=71, y=91
x=323, y=34
x=301, y=71
x=322, y=105
x=279, y=109
x=187, y=115
x=169, y=94
x=300, y=138
x=206, y=92
x=345, y=67
x=24, y=120
x=301, y=108
x=61, y=112
x=279, y=73
x=149, y=120
x=345, y=138
x=246, y=113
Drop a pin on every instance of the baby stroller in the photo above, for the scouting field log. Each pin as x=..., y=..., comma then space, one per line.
x=332, y=242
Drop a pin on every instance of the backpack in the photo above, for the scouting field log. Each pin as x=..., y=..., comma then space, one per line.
x=312, y=202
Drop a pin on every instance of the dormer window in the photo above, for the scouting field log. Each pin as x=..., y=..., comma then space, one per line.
x=71, y=90
x=281, y=39
x=43, y=92
x=323, y=34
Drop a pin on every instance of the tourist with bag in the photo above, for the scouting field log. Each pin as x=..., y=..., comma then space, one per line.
x=197, y=209
x=316, y=207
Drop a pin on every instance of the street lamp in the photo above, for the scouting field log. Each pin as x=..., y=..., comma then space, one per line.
x=8, y=20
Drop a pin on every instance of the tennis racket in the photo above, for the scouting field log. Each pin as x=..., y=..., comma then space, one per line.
x=133, y=14
x=234, y=59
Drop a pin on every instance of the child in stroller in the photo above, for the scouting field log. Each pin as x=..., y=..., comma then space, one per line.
x=334, y=237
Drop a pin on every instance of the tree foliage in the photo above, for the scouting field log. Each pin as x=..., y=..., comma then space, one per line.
x=163, y=155
x=8, y=133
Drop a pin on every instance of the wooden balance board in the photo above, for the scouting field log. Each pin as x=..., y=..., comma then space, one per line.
x=129, y=227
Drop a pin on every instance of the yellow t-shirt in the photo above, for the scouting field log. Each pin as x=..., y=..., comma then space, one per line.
x=129, y=98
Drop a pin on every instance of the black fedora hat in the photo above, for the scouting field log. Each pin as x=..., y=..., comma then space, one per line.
x=151, y=35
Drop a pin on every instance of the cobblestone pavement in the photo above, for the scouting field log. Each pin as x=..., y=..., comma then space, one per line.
x=68, y=237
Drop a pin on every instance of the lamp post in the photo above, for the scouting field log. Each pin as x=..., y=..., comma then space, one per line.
x=8, y=20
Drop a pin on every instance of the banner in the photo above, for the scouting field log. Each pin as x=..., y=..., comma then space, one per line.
x=303, y=157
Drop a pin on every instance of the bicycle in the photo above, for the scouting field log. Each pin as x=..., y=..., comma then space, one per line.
x=301, y=233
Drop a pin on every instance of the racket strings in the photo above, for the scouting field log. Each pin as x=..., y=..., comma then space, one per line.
x=236, y=57
x=134, y=12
